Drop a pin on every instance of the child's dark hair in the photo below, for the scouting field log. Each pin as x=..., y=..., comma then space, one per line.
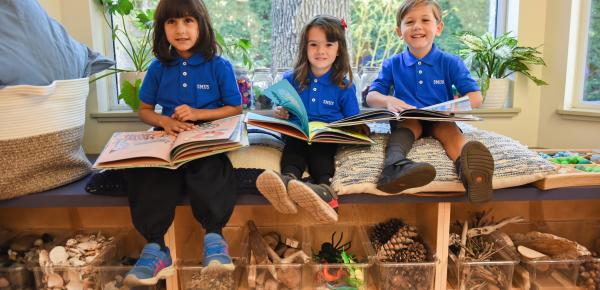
x=334, y=31
x=408, y=5
x=166, y=9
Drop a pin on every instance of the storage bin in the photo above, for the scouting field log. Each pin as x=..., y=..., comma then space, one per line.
x=191, y=272
x=493, y=274
x=283, y=276
x=391, y=275
x=111, y=278
x=333, y=275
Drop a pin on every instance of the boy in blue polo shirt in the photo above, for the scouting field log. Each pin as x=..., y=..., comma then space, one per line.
x=423, y=75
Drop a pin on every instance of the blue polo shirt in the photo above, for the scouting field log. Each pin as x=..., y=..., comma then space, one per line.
x=195, y=82
x=324, y=100
x=426, y=81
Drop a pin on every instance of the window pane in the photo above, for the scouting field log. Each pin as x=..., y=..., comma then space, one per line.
x=591, y=93
x=374, y=22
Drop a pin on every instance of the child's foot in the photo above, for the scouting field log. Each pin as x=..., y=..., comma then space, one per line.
x=475, y=170
x=273, y=187
x=319, y=200
x=216, y=253
x=405, y=174
x=152, y=265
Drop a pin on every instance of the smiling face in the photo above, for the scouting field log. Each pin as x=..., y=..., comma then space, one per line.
x=321, y=53
x=182, y=33
x=419, y=28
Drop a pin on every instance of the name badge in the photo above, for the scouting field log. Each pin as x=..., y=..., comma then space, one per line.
x=203, y=87
x=328, y=103
x=438, y=82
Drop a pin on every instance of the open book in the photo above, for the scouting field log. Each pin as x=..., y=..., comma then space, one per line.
x=157, y=149
x=283, y=94
x=450, y=111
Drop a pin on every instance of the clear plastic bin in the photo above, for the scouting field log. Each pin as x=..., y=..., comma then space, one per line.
x=17, y=277
x=52, y=277
x=330, y=276
x=481, y=275
x=284, y=276
x=553, y=274
x=191, y=272
x=390, y=275
x=111, y=278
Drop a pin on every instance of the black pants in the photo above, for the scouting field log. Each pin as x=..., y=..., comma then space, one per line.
x=319, y=157
x=155, y=192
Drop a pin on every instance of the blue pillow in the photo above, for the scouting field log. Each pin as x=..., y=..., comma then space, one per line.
x=36, y=50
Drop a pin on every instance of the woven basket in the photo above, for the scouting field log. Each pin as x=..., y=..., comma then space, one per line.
x=41, y=130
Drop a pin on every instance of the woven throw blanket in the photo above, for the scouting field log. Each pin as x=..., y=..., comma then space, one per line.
x=358, y=167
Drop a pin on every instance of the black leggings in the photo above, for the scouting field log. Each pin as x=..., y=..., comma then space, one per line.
x=155, y=192
x=319, y=157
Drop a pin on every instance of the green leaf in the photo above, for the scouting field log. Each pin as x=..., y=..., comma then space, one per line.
x=130, y=94
x=124, y=7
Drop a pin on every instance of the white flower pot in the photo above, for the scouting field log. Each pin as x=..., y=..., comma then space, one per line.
x=131, y=77
x=497, y=94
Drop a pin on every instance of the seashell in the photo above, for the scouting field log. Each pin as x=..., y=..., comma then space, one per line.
x=74, y=285
x=4, y=282
x=43, y=259
x=71, y=242
x=76, y=262
x=38, y=242
x=54, y=280
x=58, y=255
x=86, y=246
x=119, y=279
x=73, y=275
x=89, y=259
x=112, y=285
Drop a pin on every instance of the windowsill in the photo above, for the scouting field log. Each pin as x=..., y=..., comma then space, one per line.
x=129, y=116
x=579, y=114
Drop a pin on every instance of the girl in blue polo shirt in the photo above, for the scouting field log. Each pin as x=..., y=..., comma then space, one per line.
x=423, y=75
x=191, y=83
x=319, y=77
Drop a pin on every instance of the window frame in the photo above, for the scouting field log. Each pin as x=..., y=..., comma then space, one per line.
x=577, y=54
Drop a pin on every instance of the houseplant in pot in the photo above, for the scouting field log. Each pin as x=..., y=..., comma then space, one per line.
x=492, y=60
x=135, y=41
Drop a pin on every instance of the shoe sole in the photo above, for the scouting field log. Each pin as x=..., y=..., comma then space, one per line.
x=132, y=280
x=215, y=267
x=477, y=165
x=415, y=178
x=270, y=186
x=307, y=199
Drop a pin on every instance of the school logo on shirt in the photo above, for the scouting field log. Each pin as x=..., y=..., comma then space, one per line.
x=328, y=102
x=438, y=82
x=203, y=87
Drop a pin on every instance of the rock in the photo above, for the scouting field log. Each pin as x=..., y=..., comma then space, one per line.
x=58, y=255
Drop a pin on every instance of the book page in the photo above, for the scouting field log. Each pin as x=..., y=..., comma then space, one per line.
x=319, y=132
x=130, y=145
x=462, y=104
x=275, y=124
x=217, y=130
x=283, y=94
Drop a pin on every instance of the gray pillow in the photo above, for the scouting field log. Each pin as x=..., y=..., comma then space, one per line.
x=36, y=50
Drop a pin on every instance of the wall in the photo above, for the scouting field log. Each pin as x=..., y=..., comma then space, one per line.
x=537, y=124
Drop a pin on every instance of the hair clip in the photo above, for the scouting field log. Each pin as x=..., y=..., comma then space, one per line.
x=344, y=24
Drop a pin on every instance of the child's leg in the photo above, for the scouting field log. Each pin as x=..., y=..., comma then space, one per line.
x=211, y=183
x=473, y=161
x=153, y=196
x=400, y=173
x=318, y=198
x=273, y=186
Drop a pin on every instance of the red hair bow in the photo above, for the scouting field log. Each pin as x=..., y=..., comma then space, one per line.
x=344, y=24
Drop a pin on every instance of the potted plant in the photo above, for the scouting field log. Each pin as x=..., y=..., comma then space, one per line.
x=234, y=49
x=136, y=43
x=493, y=59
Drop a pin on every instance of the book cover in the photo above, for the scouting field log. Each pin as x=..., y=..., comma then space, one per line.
x=450, y=111
x=283, y=94
x=157, y=149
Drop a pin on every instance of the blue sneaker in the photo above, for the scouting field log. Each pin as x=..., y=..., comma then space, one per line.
x=216, y=254
x=152, y=265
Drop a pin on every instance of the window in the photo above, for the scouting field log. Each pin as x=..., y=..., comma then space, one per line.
x=372, y=26
x=583, y=64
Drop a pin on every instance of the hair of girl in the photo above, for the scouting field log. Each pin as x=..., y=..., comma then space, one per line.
x=166, y=9
x=334, y=31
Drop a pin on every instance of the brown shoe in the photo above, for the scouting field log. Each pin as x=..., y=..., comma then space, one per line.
x=405, y=174
x=475, y=168
x=318, y=199
x=273, y=186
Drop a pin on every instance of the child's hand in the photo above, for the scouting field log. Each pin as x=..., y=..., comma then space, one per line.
x=184, y=113
x=174, y=127
x=396, y=105
x=281, y=113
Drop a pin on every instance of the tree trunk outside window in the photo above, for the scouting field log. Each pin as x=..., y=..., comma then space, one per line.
x=289, y=16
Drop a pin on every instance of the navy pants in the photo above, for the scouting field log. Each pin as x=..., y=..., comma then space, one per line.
x=319, y=157
x=155, y=192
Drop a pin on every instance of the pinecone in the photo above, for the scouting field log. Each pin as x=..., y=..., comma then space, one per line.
x=382, y=232
x=404, y=246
